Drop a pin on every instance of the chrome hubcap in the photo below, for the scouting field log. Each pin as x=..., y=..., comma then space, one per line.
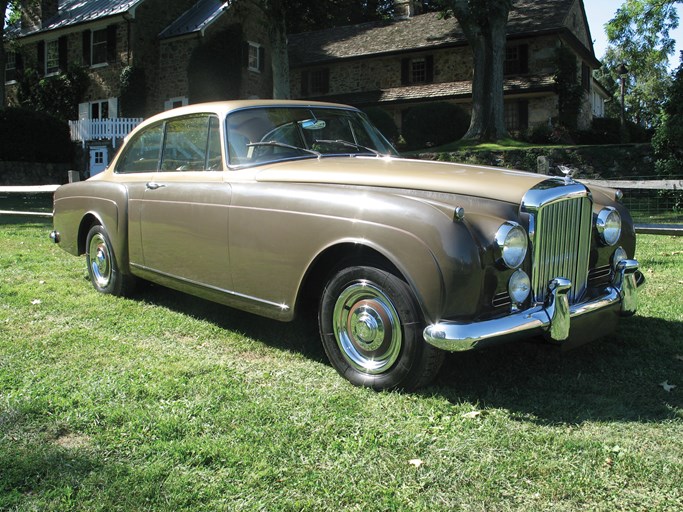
x=367, y=328
x=100, y=260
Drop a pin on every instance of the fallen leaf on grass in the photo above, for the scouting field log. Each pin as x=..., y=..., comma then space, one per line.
x=35, y=302
x=667, y=387
x=416, y=462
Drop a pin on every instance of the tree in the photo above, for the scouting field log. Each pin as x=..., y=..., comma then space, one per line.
x=484, y=24
x=274, y=13
x=639, y=36
x=668, y=139
x=4, y=5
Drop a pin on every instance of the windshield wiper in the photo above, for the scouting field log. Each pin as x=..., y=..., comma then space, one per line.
x=350, y=145
x=283, y=145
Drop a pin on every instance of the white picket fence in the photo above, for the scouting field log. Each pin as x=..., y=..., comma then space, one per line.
x=85, y=130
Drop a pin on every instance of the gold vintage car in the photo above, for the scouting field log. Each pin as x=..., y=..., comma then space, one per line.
x=262, y=205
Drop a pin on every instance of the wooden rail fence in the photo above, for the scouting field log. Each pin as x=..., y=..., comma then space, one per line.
x=651, y=229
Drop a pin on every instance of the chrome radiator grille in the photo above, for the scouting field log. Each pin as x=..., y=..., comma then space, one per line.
x=561, y=245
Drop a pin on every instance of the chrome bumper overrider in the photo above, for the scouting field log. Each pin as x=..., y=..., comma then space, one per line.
x=553, y=318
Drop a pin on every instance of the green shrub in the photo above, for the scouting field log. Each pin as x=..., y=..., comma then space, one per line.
x=434, y=124
x=32, y=136
x=384, y=122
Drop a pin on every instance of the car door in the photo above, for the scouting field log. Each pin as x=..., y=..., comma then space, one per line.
x=183, y=212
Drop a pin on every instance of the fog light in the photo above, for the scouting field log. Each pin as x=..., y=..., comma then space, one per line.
x=519, y=287
x=619, y=254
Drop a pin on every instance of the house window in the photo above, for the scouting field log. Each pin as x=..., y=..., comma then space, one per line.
x=254, y=57
x=516, y=59
x=516, y=115
x=10, y=67
x=99, y=47
x=51, y=57
x=172, y=103
x=418, y=70
x=315, y=82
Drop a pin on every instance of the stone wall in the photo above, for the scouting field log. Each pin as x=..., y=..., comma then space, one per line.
x=33, y=173
x=592, y=162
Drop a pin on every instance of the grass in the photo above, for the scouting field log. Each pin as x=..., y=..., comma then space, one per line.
x=167, y=402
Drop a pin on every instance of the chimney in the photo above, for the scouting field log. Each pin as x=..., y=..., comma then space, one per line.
x=35, y=13
x=404, y=9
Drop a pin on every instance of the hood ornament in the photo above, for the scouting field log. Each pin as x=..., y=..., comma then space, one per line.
x=568, y=174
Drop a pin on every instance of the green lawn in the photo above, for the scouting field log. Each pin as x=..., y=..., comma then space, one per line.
x=167, y=402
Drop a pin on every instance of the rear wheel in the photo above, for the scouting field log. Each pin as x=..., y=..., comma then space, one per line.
x=371, y=331
x=105, y=275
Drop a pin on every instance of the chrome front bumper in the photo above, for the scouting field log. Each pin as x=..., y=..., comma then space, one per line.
x=552, y=319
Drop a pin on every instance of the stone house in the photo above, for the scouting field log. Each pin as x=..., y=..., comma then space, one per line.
x=137, y=55
x=417, y=58
x=144, y=56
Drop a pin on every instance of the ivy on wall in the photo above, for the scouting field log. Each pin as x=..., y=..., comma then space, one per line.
x=569, y=89
x=133, y=92
x=59, y=94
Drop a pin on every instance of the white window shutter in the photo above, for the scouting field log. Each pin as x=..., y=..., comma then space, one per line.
x=83, y=111
x=113, y=108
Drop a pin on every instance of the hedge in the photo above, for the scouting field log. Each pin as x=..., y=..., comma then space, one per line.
x=29, y=136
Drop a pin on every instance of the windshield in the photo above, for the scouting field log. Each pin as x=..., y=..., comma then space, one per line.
x=268, y=134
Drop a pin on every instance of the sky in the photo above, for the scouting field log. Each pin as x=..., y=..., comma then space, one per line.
x=600, y=12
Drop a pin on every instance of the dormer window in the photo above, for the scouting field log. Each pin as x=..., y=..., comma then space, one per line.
x=517, y=59
x=418, y=70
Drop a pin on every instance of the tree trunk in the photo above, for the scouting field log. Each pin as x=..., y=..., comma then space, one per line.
x=279, y=57
x=483, y=22
x=3, y=56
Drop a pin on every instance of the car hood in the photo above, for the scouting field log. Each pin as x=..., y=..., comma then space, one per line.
x=489, y=182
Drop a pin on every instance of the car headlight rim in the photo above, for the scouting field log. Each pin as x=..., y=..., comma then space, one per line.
x=512, y=244
x=608, y=225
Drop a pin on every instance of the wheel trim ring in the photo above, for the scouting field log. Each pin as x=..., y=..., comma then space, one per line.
x=368, y=349
x=100, y=260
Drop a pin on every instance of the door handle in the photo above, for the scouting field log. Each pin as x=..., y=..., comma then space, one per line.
x=153, y=185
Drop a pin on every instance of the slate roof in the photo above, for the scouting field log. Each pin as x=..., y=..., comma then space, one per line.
x=74, y=12
x=416, y=33
x=446, y=90
x=195, y=19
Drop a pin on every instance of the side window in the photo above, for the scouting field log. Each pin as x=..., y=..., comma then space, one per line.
x=142, y=153
x=191, y=144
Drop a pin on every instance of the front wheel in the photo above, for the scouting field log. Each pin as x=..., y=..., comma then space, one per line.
x=371, y=331
x=103, y=270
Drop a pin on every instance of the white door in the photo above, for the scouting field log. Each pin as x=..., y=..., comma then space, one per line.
x=99, y=159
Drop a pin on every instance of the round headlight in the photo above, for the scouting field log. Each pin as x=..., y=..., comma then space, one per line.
x=609, y=225
x=519, y=286
x=512, y=244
